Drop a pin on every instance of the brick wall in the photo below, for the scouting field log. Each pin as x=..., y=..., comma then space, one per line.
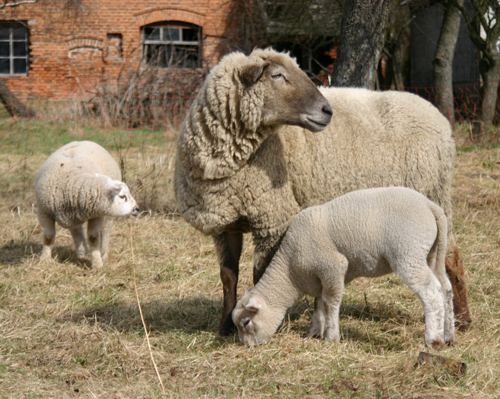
x=75, y=47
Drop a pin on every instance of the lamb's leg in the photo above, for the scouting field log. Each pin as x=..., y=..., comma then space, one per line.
x=423, y=282
x=317, y=327
x=94, y=236
x=105, y=234
x=49, y=235
x=228, y=247
x=79, y=239
x=332, y=275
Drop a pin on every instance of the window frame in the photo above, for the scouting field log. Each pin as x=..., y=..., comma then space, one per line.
x=11, y=40
x=162, y=41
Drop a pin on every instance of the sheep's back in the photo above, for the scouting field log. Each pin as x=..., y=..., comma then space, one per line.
x=374, y=140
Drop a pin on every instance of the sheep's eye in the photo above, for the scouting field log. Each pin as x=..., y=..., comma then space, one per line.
x=124, y=197
x=246, y=323
x=277, y=75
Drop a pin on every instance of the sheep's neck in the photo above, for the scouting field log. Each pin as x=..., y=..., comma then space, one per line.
x=277, y=288
x=217, y=142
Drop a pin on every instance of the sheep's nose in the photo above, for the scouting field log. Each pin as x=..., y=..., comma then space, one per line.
x=135, y=211
x=327, y=109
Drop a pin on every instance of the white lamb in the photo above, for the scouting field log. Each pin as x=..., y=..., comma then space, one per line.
x=78, y=183
x=365, y=233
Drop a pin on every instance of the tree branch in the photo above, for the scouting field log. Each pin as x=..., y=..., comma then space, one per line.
x=6, y=3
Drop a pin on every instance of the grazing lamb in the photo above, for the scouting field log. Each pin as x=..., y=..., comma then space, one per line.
x=80, y=182
x=365, y=233
x=255, y=149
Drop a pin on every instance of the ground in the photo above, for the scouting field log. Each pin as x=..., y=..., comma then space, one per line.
x=68, y=331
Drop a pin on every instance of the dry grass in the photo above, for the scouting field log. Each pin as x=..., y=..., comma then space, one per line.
x=67, y=331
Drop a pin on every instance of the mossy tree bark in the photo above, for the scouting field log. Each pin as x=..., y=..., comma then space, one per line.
x=443, y=60
x=362, y=38
x=13, y=106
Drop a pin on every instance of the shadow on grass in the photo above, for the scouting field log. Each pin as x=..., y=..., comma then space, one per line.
x=189, y=315
x=386, y=317
x=15, y=253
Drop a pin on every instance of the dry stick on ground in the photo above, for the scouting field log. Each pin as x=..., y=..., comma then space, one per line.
x=140, y=309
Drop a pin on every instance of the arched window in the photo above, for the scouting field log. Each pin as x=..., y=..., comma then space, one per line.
x=172, y=45
x=13, y=48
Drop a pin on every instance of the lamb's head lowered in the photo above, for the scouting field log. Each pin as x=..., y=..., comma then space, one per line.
x=121, y=201
x=256, y=321
x=287, y=96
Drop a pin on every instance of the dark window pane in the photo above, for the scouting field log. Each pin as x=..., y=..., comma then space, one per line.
x=4, y=65
x=152, y=33
x=19, y=32
x=4, y=49
x=171, y=34
x=190, y=35
x=19, y=48
x=20, y=65
x=4, y=32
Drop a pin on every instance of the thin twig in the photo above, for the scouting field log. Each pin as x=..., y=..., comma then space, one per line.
x=140, y=310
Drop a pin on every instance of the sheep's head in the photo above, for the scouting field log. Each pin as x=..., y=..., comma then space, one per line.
x=255, y=320
x=121, y=201
x=282, y=92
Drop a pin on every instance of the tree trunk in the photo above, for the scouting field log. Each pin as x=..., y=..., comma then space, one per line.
x=13, y=106
x=491, y=78
x=443, y=60
x=361, y=41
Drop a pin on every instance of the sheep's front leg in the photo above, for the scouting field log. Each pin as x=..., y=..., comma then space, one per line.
x=79, y=239
x=49, y=235
x=332, y=274
x=228, y=247
x=105, y=234
x=94, y=236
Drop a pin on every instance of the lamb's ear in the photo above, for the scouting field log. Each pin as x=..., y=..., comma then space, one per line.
x=251, y=73
x=112, y=189
x=253, y=305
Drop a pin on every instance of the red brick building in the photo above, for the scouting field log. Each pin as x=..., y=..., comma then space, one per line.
x=59, y=49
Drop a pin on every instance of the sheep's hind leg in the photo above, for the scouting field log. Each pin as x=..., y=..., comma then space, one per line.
x=228, y=247
x=49, y=235
x=94, y=236
x=79, y=239
x=332, y=277
x=423, y=282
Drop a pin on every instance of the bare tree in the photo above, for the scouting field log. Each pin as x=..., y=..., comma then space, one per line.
x=14, y=3
x=13, y=106
x=486, y=18
x=362, y=38
x=443, y=59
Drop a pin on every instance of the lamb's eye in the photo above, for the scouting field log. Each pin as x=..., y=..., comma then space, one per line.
x=246, y=322
x=124, y=197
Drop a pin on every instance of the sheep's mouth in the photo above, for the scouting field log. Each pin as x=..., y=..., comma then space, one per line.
x=313, y=125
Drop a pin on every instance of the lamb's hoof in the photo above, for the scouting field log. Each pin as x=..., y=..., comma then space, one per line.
x=315, y=332
x=436, y=344
x=331, y=335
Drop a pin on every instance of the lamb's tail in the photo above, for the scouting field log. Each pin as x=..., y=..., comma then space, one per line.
x=441, y=243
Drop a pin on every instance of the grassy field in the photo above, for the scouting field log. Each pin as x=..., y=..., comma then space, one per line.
x=67, y=331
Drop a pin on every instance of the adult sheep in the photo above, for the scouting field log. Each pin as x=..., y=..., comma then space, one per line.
x=78, y=183
x=255, y=149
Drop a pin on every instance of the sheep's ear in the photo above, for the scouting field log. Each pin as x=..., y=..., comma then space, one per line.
x=253, y=305
x=252, y=73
